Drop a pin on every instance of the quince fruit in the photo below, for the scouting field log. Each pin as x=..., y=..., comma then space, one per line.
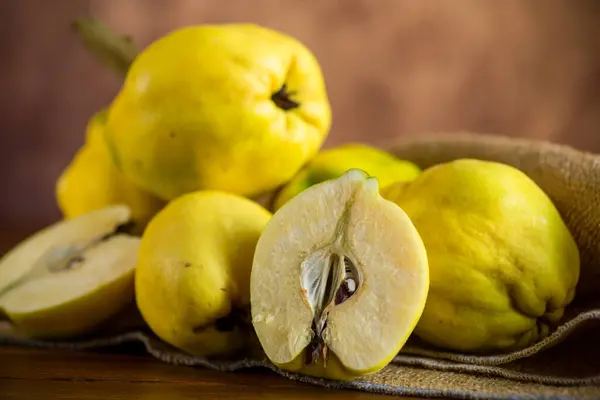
x=68, y=278
x=333, y=162
x=339, y=280
x=231, y=107
x=503, y=264
x=92, y=182
x=192, y=279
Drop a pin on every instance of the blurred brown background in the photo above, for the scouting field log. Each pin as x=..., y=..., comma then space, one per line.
x=393, y=67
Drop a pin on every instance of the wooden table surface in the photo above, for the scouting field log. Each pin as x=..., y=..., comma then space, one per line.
x=51, y=374
x=109, y=375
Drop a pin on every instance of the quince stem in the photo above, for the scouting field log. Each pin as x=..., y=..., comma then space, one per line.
x=115, y=51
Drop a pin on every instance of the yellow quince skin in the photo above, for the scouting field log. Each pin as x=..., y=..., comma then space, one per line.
x=503, y=264
x=333, y=162
x=233, y=107
x=192, y=279
x=92, y=182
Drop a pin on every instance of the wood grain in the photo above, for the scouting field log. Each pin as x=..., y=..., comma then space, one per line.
x=52, y=374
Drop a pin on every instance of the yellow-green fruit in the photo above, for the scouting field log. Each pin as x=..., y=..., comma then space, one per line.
x=92, y=182
x=394, y=190
x=339, y=280
x=334, y=369
x=192, y=280
x=70, y=277
x=233, y=107
x=503, y=264
x=333, y=162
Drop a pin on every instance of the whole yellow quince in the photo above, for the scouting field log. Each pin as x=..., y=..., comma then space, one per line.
x=503, y=264
x=333, y=162
x=92, y=182
x=233, y=107
x=192, y=280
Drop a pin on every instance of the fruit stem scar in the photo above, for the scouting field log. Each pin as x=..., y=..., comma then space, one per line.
x=282, y=99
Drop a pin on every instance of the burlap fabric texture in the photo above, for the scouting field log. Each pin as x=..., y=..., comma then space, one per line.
x=565, y=365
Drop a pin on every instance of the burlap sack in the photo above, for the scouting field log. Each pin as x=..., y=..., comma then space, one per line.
x=564, y=365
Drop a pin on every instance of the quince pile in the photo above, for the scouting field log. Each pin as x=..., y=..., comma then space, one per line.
x=204, y=193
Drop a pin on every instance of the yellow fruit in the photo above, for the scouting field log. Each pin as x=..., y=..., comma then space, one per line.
x=503, y=264
x=232, y=107
x=333, y=162
x=332, y=369
x=339, y=280
x=71, y=276
x=394, y=190
x=193, y=277
x=92, y=182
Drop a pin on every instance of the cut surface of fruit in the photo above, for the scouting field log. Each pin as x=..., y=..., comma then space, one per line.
x=338, y=270
x=70, y=276
x=76, y=233
x=98, y=265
